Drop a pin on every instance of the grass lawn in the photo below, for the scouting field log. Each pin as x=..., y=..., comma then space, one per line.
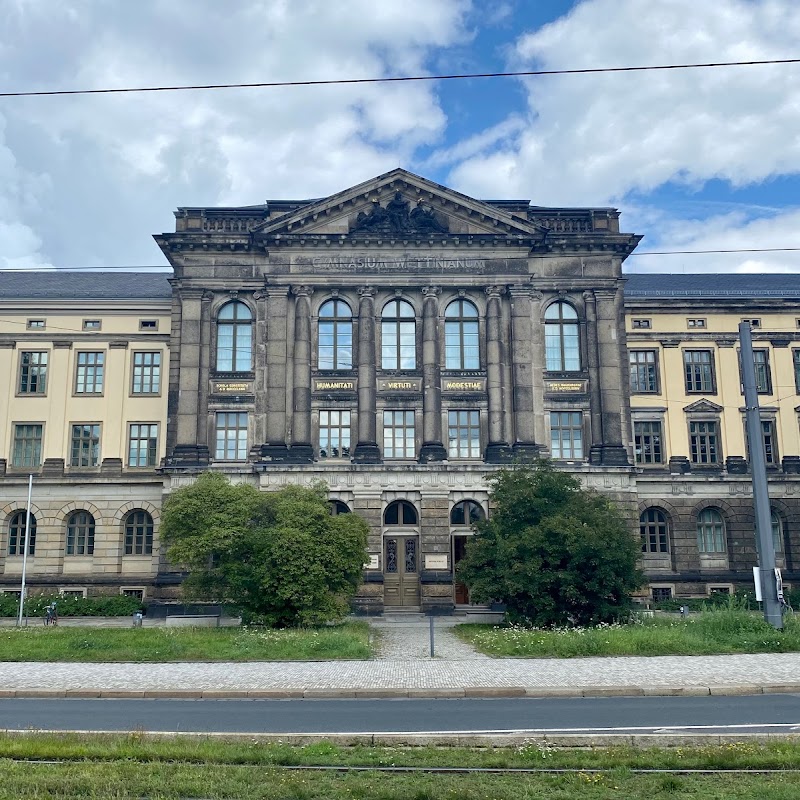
x=135, y=766
x=347, y=641
x=721, y=630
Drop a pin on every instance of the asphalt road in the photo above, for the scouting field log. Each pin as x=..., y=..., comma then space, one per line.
x=753, y=714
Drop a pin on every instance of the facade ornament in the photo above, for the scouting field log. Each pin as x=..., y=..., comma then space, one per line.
x=431, y=291
x=209, y=295
x=398, y=218
x=302, y=290
x=589, y=296
x=234, y=293
x=462, y=292
x=494, y=291
x=366, y=291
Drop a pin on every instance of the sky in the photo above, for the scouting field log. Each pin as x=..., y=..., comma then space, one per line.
x=694, y=159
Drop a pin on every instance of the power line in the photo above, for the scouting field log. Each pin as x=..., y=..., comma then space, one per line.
x=168, y=269
x=397, y=79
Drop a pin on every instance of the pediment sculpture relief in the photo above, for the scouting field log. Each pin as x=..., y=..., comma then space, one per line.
x=398, y=218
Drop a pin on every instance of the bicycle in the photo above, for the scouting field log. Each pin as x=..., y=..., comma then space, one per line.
x=51, y=615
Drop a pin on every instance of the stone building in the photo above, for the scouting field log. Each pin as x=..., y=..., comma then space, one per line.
x=399, y=341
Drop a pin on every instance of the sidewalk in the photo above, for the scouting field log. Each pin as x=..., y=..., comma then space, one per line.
x=403, y=668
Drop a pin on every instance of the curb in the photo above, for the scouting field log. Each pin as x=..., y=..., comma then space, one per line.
x=730, y=690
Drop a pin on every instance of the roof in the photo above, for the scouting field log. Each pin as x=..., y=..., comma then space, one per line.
x=63, y=284
x=711, y=285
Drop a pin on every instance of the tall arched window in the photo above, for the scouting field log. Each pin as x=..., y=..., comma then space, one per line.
x=398, y=336
x=466, y=513
x=16, y=534
x=710, y=531
x=561, y=338
x=138, y=534
x=400, y=512
x=335, y=335
x=654, y=531
x=234, y=338
x=338, y=507
x=777, y=532
x=461, y=336
x=80, y=534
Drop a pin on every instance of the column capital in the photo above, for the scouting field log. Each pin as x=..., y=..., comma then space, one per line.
x=302, y=290
x=520, y=290
x=366, y=292
x=589, y=296
x=606, y=294
x=207, y=296
x=494, y=291
x=431, y=291
x=271, y=291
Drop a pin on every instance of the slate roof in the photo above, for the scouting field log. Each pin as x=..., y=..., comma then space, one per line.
x=60, y=284
x=721, y=285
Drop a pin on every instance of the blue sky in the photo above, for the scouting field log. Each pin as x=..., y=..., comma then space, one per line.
x=694, y=159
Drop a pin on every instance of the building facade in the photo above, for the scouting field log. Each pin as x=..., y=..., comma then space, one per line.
x=399, y=341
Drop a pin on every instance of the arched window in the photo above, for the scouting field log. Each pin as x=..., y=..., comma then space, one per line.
x=138, y=534
x=80, y=534
x=234, y=338
x=561, y=338
x=654, y=531
x=710, y=531
x=338, y=507
x=335, y=335
x=398, y=336
x=401, y=512
x=466, y=513
x=777, y=532
x=461, y=347
x=16, y=534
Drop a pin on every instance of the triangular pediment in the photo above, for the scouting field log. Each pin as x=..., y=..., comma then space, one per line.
x=399, y=205
x=702, y=406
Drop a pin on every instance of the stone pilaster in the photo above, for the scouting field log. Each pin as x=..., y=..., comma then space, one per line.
x=497, y=448
x=436, y=585
x=432, y=448
x=521, y=359
x=301, y=450
x=366, y=450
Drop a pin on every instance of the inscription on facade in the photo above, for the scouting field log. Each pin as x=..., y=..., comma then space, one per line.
x=566, y=387
x=464, y=385
x=232, y=387
x=435, y=562
x=334, y=384
x=408, y=263
x=400, y=385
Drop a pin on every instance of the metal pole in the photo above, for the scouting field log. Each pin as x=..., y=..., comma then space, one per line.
x=758, y=470
x=431, y=623
x=25, y=550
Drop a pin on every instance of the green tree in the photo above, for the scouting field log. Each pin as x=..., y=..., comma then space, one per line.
x=280, y=557
x=553, y=552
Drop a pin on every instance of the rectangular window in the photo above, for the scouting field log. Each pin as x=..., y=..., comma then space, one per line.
x=698, y=368
x=89, y=373
x=644, y=371
x=148, y=324
x=647, y=442
x=695, y=323
x=143, y=444
x=796, y=361
x=27, y=446
x=762, y=371
x=464, y=434
x=91, y=325
x=703, y=443
x=231, y=436
x=85, y=451
x=37, y=324
x=33, y=372
x=640, y=324
x=770, y=442
x=146, y=373
x=754, y=323
x=398, y=344
x=398, y=434
x=566, y=434
x=661, y=593
x=334, y=434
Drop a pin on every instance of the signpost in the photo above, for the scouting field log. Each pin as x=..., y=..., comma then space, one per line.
x=25, y=551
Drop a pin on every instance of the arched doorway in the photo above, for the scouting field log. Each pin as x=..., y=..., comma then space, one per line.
x=401, y=555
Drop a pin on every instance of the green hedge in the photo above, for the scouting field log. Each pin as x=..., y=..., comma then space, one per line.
x=71, y=606
x=742, y=599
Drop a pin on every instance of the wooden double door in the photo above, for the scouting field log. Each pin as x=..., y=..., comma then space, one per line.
x=401, y=570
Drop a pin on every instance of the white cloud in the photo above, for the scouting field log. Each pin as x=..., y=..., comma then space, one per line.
x=591, y=139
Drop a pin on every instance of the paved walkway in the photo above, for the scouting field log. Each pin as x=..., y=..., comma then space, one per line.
x=404, y=668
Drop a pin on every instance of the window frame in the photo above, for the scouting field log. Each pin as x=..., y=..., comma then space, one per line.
x=689, y=382
x=240, y=351
x=654, y=533
x=638, y=365
x=344, y=430
x=140, y=438
x=576, y=422
x=560, y=324
x=16, y=534
x=37, y=368
x=469, y=506
x=138, y=534
x=398, y=327
x=458, y=447
x=147, y=373
x=16, y=440
x=241, y=448
x=95, y=369
x=390, y=437
x=399, y=504
x=77, y=539
x=465, y=330
x=83, y=440
x=704, y=533
x=639, y=448
x=341, y=328
x=696, y=447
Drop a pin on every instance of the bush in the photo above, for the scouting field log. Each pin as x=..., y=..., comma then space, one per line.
x=71, y=606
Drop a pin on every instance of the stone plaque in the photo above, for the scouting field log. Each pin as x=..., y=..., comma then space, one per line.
x=435, y=562
x=334, y=384
x=400, y=385
x=566, y=387
x=233, y=387
x=374, y=562
x=463, y=384
x=455, y=263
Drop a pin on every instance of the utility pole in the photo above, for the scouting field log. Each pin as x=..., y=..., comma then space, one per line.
x=758, y=470
x=25, y=550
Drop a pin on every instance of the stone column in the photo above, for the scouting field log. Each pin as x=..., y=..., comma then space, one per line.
x=497, y=449
x=187, y=453
x=366, y=450
x=593, y=368
x=301, y=450
x=609, y=322
x=432, y=448
x=204, y=365
x=522, y=362
x=272, y=359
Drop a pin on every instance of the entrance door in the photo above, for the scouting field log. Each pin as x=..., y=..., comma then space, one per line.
x=401, y=573
x=460, y=590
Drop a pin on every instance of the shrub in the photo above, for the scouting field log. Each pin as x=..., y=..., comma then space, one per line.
x=70, y=606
